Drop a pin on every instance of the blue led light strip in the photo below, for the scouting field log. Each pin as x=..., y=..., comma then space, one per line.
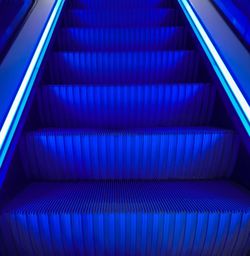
x=17, y=107
x=235, y=95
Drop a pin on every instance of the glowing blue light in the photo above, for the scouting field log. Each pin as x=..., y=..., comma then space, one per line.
x=17, y=107
x=237, y=98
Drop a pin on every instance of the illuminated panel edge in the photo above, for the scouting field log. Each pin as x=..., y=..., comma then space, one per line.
x=17, y=107
x=235, y=95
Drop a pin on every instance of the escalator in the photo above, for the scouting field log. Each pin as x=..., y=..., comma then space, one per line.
x=122, y=153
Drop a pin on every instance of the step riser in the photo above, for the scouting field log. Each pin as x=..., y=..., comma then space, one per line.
x=129, y=18
x=93, y=155
x=126, y=234
x=133, y=67
x=122, y=39
x=125, y=105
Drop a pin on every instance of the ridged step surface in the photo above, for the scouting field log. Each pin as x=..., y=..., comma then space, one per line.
x=126, y=18
x=125, y=39
x=123, y=67
x=122, y=160
x=120, y=106
x=122, y=4
x=143, y=154
x=121, y=218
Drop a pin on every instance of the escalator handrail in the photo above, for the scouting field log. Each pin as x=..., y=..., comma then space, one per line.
x=18, y=74
x=230, y=81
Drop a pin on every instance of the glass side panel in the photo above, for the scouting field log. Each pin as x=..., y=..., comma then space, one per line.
x=12, y=15
x=237, y=14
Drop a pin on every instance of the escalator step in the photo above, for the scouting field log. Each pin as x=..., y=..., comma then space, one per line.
x=123, y=67
x=120, y=106
x=122, y=4
x=126, y=39
x=122, y=162
x=130, y=154
x=125, y=18
x=127, y=217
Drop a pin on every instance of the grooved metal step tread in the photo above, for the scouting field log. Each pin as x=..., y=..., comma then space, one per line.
x=130, y=197
x=122, y=4
x=125, y=18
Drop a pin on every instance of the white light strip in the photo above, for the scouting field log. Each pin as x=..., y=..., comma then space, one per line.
x=32, y=66
x=227, y=76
